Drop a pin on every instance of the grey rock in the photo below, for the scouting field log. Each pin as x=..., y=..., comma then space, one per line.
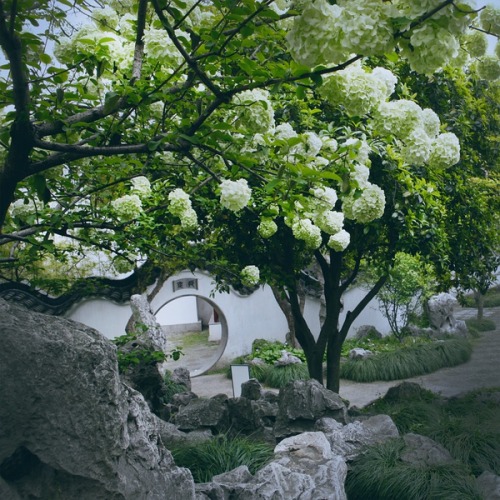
x=360, y=353
x=183, y=398
x=424, y=451
x=406, y=391
x=172, y=437
x=68, y=425
x=365, y=331
x=145, y=322
x=441, y=316
x=204, y=413
x=251, y=389
x=287, y=359
x=181, y=376
x=488, y=484
x=302, y=402
x=349, y=440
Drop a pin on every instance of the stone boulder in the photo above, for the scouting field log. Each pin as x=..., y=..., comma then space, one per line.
x=303, y=468
x=200, y=413
x=287, y=359
x=365, y=331
x=488, y=484
x=440, y=308
x=360, y=353
x=349, y=440
x=144, y=322
x=424, y=451
x=301, y=403
x=69, y=427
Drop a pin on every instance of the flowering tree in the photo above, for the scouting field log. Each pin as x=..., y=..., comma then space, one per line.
x=249, y=134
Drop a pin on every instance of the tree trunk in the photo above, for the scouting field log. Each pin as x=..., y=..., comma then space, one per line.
x=315, y=364
x=333, y=355
x=479, y=300
x=287, y=311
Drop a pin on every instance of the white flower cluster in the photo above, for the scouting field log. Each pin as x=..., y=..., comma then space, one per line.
x=250, y=275
x=488, y=68
x=21, y=208
x=328, y=34
x=490, y=20
x=339, y=241
x=445, y=151
x=315, y=37
x=366, y=207
x=305, y=230
x=398, y=118
x=330, y=222
x=357, y=90
x=367, y=26
x=159, y=47
x=255, y=111
x=235, y=195
x=267, y=228
x=430, y=47
x=324, y=198
x=180, y=206
x=141, y=186
x=360, y=174
x=127, y=207
x=476, y=43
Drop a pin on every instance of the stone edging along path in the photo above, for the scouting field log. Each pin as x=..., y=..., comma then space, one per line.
x=481, y=371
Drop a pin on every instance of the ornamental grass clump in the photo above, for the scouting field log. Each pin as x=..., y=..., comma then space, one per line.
x=280, y=376
x=380, y=474
x=409, y=361
x=221, y=454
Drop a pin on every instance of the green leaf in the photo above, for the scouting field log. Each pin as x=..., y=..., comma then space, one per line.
x=110, y=101
x=45, y=58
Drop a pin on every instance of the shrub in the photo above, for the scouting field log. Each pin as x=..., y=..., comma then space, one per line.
x=480, y=325
x=380, y=474
x=409, y=361
x=279, y=376
x=270, y=352
x=222, y=454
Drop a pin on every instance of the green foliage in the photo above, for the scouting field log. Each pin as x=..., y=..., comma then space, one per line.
x=468, y=426
x=222, y=454
x=389, y=343
x=380, y=474
x=410, y=282
x=279, y=376
x=491, y=298
x=171, y=387
x=480, y=325
x=409, y=361
x=270, y=351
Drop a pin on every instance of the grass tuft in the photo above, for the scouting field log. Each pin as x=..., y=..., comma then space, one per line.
x=380, y=474
x=279, y=376
x=480, y=325
x=407, y=362
x=221, y=454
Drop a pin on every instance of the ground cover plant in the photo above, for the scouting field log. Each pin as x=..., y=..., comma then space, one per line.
x=468, y=426
x=480, y=325
x=222, y=454
x=408, y=361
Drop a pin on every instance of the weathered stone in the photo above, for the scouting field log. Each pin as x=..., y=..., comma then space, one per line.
x=69, y=428
x=181, y=376
x=406, y=391
x=287, y=359
x=488, y=484
x=172, y=437
x=183, y=398
x=359, y=353
x=251, y=389
x=301, y=403
x=204, y=413
x=424, y=451
x=440, y=310
x=144, y=322
x=365, y=331
x=242, y=416
x=349, y=440
x=309, y=453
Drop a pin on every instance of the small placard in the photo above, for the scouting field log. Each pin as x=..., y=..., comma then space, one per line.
x=185, y=283
x=240, y=374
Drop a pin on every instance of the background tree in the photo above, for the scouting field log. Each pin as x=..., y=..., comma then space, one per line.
x=227, y=135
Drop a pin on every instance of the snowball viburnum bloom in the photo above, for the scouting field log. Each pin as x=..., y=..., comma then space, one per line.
x=141, y=186
x=250, y=275
x=369, y=206
x=235, y=195
x=330, y=222
x=21, y=210
x=305, y=230
x=326, y=197
x=179, y=202
x=267, y=228
x=339, y=241
x=127, y=207
x=445, y=151
x=189, y=219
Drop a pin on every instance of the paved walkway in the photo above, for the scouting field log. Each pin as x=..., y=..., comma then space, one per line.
x=481, y=371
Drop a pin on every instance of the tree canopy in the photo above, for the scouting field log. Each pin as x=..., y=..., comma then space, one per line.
x=245, y=137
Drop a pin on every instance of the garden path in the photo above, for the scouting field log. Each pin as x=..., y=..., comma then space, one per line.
x=481, y=371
